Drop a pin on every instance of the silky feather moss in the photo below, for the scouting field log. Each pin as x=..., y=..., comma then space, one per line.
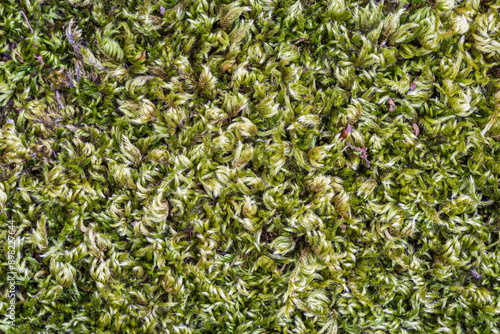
x=251, y=166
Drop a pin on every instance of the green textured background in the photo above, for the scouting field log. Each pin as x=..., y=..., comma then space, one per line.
x=256, y=166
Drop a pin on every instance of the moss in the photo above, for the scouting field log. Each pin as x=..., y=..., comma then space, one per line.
x=250, y=166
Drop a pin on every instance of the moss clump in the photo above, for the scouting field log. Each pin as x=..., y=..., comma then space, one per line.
x=250, y=166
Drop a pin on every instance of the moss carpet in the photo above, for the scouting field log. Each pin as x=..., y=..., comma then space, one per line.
x=254, y=166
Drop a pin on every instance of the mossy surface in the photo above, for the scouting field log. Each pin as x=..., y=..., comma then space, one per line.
x=250, y=166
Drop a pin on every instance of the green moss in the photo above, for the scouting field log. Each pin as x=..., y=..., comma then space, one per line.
x=250, y=166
